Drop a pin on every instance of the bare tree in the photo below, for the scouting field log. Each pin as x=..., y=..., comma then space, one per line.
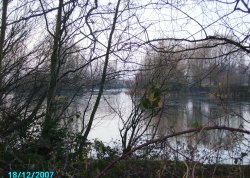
x=45, y=44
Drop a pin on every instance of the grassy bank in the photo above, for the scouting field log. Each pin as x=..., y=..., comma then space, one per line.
x=162, y=169
x=130, y=168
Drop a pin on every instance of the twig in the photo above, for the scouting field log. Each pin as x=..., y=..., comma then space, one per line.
x=107, y=168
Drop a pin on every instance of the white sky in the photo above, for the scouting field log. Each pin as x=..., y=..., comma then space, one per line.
x=181, y=19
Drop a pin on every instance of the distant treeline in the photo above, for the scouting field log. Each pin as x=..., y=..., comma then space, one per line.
x=206, y=69
x=39, y=80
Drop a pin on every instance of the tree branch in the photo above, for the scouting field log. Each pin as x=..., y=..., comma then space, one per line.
x=161, y=139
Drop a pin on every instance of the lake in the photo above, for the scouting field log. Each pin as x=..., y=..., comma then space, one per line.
x=179, y=113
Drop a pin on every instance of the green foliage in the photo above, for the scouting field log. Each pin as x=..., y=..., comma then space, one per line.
x=152, y=100
x=195, y=125
x=104, y=152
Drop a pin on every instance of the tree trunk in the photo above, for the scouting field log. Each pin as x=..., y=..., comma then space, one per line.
x=2, y=38
x=50, y=118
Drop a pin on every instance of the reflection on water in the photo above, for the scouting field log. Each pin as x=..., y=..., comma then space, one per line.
x=179, y=114
x=182, y=114
x=113, y=105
